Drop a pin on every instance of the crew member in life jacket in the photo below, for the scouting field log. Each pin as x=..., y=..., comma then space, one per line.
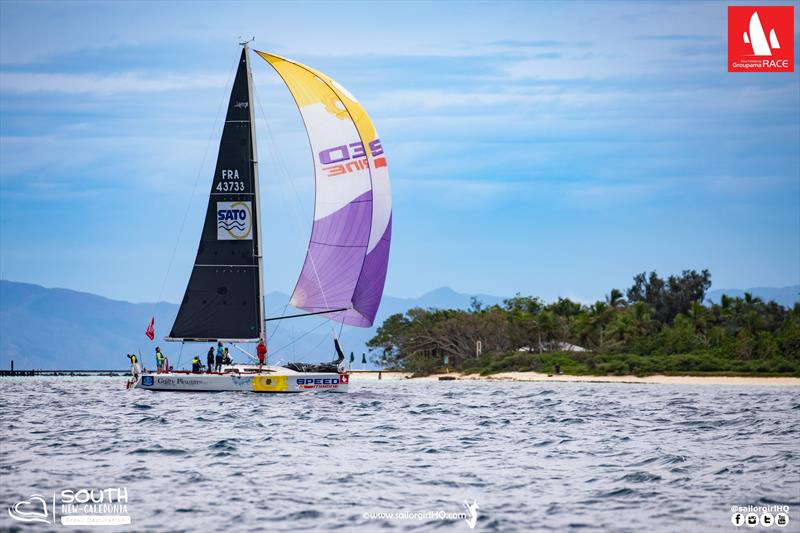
x=226, y=357
x=160, y=359
x=219, y=358
x=261, y=350
x=197, y=366
x=210, y=359
x=135, y=370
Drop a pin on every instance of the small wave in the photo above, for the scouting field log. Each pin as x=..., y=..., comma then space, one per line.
x=224, y=445
x=158, y=450
x=640, y=477
x=616, y=493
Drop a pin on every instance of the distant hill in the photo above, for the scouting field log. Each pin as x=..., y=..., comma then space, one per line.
x=61, y=328
x=786, y=296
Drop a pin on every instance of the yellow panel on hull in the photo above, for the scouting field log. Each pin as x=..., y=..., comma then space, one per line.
x=269, y=384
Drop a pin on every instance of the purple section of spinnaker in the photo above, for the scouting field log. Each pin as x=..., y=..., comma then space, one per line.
x=334, y=261
x=337, y=274
x=369, y=289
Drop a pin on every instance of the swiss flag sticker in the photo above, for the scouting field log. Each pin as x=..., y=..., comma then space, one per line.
x=344, y=379
x=760, y=38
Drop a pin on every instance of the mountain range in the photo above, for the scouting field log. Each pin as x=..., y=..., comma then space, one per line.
x=48, y=328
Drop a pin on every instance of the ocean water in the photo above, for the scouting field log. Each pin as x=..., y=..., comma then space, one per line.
x=534, y=456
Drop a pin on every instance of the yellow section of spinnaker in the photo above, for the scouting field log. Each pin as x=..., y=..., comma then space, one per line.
x=309, y=86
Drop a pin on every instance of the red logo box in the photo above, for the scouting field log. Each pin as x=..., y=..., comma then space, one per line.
x=760, y=38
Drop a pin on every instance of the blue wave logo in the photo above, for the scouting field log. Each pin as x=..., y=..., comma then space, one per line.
x=241, y=226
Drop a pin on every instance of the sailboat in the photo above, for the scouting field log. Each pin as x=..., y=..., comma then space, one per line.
x=344, y=271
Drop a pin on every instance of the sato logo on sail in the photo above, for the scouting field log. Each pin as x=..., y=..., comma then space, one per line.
x=234, y=221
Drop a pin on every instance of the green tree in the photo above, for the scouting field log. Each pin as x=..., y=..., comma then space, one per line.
x=672, y=296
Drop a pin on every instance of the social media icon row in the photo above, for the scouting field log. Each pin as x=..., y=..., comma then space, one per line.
x=766, y=519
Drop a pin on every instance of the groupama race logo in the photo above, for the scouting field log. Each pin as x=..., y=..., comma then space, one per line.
x=760, y=38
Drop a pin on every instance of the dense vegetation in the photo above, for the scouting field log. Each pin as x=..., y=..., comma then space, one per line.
x=656, y=326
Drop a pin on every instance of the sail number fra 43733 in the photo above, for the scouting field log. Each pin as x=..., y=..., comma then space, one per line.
x=229, y=181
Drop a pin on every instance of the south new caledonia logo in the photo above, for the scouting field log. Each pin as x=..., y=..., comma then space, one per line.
x=234, y=221
x=84, y=507
x=761, y=38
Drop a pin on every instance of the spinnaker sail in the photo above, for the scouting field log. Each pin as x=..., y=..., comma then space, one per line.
x=223, y=297
x=347, y=258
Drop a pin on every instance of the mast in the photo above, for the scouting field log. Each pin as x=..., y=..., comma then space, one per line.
x=254, y=162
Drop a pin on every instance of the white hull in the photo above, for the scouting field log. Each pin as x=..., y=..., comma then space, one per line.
x=245, y=379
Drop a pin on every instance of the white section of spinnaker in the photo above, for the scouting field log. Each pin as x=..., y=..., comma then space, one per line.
x=379, y=175
x=326, y=131
x=381, y=204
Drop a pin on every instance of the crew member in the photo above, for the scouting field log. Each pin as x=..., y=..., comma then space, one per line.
x=226, y=357
x=210, y=359
x=135, y=370
x=261, y=350
x=219, y=359
x=160, y=360
x=197, y=365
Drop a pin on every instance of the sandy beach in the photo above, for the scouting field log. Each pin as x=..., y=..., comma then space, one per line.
x=361, y=375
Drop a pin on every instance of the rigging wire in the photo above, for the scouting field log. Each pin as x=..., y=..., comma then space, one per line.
x=180, y=354
x=300, y=337
x=283, y=169
x=194, y=189
x=314, y=349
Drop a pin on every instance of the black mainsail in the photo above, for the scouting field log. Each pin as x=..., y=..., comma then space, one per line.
x=224, y=297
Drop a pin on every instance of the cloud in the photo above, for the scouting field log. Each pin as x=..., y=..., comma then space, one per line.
x=676, y=37
x=616, y=192
x=527, y=44
x=747, y=185
x=99, y=84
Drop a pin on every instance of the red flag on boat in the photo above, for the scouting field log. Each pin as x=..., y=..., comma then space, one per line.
x=151, y=329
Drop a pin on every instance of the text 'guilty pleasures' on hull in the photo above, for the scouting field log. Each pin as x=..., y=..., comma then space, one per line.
x=270, y=379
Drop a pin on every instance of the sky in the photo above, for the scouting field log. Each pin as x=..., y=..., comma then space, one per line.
x=552, y=149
